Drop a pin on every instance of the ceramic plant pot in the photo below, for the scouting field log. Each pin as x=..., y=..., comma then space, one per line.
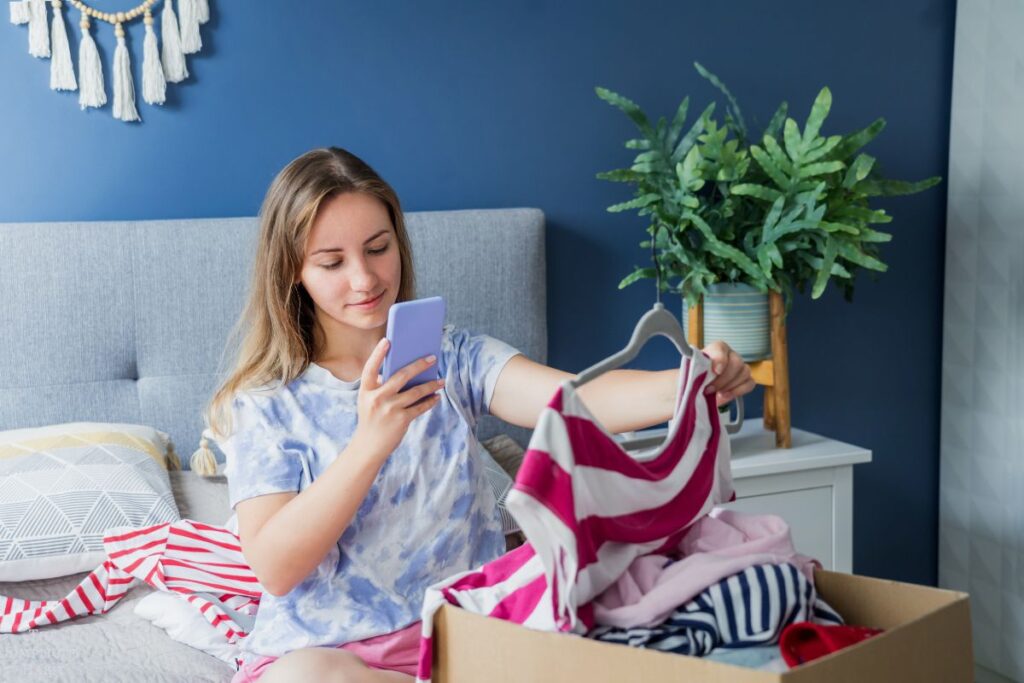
x=738, y=315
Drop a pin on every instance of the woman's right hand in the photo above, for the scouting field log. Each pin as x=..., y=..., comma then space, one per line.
x=385, y=411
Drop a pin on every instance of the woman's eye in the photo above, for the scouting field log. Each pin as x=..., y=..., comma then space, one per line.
x=331, y=266
x=381, y=250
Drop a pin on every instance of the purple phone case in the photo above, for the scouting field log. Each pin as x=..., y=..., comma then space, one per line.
x=414, y=330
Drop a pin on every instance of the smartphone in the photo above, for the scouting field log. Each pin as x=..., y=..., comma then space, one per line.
x=414, y=331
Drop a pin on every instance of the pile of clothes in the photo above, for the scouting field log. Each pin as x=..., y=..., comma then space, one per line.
x=633, y=548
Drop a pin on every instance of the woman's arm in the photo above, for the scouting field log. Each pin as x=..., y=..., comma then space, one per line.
x=285, y=536
x=621, y=400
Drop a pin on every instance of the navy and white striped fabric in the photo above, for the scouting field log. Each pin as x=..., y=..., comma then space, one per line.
x=746, y=609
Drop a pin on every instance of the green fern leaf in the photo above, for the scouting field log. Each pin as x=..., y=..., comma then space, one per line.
x=859, y=170
x=819, y=111
x=821, y=280
x=892, y=188
x=755, y=190
x=851, y=143
x=826, y=145
x=854, y=255
x=637, y=203
x=775, y=124
x=637, y=274
x=768, y=165
x=793, y=141
x=820, y=168
x=696, y=129
x=734, y=107
x=629, y=108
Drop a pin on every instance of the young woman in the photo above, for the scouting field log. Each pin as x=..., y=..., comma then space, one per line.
x=353, y=496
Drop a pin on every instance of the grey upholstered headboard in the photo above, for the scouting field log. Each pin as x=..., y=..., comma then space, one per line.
x=127, y=321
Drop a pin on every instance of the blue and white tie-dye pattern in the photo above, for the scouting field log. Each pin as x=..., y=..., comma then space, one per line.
x=429, y=514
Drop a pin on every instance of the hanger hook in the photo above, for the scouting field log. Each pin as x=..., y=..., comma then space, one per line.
x=657, y=266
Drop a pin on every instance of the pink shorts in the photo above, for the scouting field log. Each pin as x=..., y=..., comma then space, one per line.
x=398, y=651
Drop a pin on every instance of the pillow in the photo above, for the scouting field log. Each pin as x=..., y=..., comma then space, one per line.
x=506, y=452
x=500, y=466
x=203, y=499
x=63, y=487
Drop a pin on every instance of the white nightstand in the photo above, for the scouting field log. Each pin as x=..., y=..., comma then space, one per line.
x=809, y=485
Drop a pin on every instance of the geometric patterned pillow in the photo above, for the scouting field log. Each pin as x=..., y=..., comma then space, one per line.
x=62, y=488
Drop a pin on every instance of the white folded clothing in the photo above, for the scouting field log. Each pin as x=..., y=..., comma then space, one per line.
x=185, y=624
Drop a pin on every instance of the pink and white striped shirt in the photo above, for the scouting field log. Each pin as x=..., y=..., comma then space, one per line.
x=201, y=563
x=589, y=508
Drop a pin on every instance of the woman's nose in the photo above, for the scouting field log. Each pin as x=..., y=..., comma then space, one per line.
x=363, y=277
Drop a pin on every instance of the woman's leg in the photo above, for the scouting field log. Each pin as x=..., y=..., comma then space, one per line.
x=327, y=664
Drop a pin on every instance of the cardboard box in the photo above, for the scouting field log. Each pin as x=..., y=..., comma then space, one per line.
x=927, y=639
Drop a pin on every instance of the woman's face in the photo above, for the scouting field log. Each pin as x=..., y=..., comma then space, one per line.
x=351, y=267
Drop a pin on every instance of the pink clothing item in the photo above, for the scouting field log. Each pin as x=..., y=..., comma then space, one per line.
x=716, y=547
x=398, y=651
x=589, y=508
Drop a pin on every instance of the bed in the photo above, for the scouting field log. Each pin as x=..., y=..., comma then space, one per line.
x=126, y=322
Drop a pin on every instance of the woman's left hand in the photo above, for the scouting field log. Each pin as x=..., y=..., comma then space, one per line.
x=733, y=376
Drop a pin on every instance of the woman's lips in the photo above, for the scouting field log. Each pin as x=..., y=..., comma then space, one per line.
x=369, y=304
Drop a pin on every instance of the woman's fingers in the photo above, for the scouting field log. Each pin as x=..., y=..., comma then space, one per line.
x=402, y=377
x=727, y=365
x=424, y=405
x=734, y=376
x=371, y=369
x=739, y=390
x=414, y=394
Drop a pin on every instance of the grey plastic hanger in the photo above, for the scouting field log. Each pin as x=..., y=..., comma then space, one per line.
x=657, y=321
x=654, y=322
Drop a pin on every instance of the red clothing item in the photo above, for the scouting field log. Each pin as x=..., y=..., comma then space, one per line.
x=803, y=641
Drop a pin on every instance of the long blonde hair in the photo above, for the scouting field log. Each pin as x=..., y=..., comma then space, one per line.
x=277, y=326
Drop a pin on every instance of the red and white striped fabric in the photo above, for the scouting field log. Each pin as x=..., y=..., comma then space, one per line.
x=200, y=562
x=589, y=508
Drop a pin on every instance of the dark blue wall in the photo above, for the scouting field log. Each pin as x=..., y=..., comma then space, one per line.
x=471, y=104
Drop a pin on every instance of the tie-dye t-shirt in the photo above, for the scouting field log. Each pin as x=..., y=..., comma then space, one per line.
x=429, y=514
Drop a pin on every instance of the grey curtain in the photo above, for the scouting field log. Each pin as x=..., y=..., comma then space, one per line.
x=981, y=528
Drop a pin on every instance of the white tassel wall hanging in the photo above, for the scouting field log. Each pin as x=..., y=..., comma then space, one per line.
x=124, y=87
x=20, y=13
x=163, y=59
x=188, y=25
x=38, y=31
x=62, y=74
x=154, y=85
x=175, y=69
x=90, y=72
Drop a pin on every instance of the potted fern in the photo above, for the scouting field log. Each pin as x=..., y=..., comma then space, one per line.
x=732, y=218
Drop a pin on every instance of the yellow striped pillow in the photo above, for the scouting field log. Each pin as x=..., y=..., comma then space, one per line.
x=154, y=443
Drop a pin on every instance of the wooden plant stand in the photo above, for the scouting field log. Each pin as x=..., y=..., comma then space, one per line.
x=772, y=373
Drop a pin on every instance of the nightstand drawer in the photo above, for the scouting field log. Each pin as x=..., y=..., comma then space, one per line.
x=808, y=513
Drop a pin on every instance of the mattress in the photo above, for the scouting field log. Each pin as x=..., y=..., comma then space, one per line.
x=116, y=646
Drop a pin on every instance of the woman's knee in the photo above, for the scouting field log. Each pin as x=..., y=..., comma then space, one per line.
x=327, y=664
